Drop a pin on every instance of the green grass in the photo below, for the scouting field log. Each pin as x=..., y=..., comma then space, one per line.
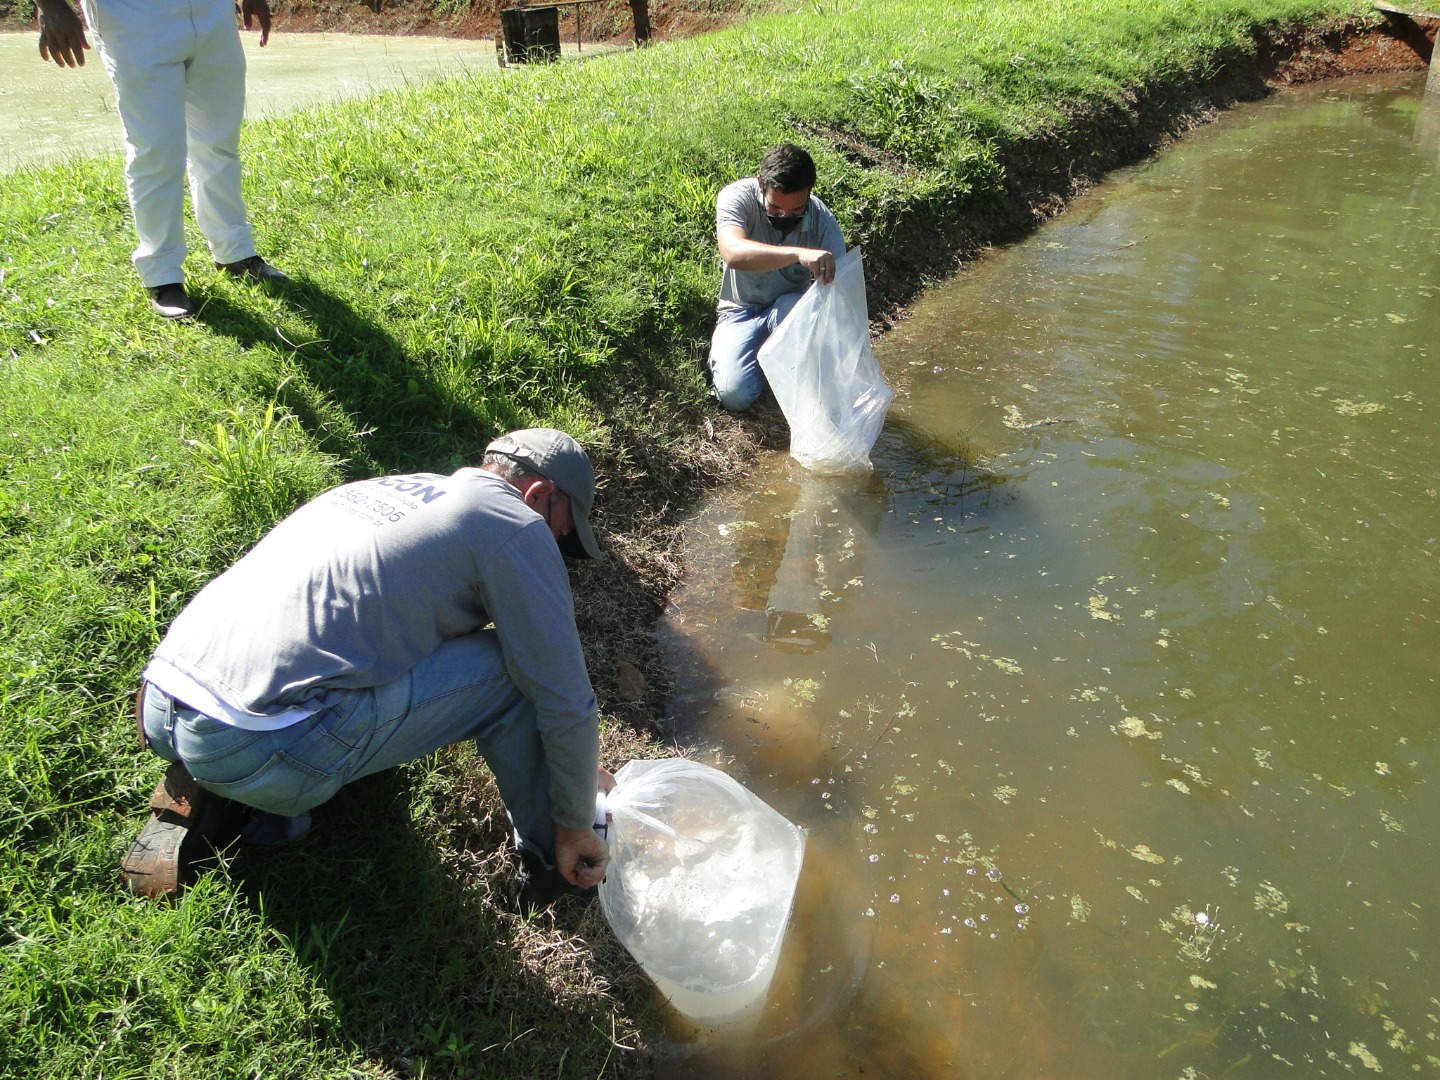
x=469, y=256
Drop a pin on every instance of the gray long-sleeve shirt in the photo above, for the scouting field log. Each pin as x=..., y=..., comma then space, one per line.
x=358, y=586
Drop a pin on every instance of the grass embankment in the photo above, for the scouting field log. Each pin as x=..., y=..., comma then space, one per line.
x=468, y=257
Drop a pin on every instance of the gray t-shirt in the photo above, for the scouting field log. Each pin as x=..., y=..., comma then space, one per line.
x=741, y=203
x=358, y=586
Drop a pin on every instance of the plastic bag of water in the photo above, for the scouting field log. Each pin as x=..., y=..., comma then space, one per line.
x=824, y=375
x=700, y=884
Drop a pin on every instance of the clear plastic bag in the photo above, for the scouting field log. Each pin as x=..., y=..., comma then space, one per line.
x=701, y=880
x=824, y=375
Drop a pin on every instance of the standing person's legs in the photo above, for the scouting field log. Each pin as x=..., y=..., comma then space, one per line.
x=462, y=691
x=214, y=109
x=143, y=51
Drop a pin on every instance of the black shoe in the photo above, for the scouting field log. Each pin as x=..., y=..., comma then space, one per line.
x=171, y=301
x=538, y=886
x=253, y=269
x=267, y=830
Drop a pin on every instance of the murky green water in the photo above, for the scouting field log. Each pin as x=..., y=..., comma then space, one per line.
x=52, y=112
x=1110, y=699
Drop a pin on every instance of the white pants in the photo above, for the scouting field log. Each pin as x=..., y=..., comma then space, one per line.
x=179, y=74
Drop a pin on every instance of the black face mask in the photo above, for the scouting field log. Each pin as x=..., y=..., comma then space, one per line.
x=786, y=225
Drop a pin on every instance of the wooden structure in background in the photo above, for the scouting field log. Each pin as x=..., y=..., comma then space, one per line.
x=1417, y=28
x=532, y=32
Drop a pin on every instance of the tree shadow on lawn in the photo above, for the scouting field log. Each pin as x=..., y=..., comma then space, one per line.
x=410, y=935
x=358, y=393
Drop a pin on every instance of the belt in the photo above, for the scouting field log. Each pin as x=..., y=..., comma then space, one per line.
x=140, y=716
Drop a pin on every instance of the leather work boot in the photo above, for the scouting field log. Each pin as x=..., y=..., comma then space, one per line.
x=253, y=269
x=187, y=825
x=171, y=301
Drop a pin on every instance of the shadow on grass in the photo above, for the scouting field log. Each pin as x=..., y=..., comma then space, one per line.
x=359, y=394
x=408, y=935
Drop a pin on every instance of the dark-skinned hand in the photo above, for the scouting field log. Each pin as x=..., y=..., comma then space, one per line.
x=260, y=11
x=62, y=33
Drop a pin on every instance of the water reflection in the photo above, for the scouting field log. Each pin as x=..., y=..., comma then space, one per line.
x=819, y=527
x=1427, y=127
x=1121, y=727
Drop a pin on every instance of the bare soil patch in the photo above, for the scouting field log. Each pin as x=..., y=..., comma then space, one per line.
x=605, y=20
x=609, y=20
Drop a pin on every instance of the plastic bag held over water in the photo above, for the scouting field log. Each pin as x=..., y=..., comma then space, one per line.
x=701, y=879
x=820, y=367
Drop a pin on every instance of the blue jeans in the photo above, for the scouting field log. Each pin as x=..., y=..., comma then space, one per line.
x=461, y=691
x=735, y=347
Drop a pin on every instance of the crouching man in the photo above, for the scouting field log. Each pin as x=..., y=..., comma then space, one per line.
x=775, y=238
x=358, y=635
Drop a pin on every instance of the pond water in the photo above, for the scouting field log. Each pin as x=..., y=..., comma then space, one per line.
x=1109, y=701
x=52, y=112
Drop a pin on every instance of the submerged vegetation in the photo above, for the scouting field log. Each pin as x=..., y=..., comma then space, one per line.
x=468, y=256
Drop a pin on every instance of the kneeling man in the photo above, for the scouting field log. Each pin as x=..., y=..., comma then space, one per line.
x=382, y=621
x=775, y=238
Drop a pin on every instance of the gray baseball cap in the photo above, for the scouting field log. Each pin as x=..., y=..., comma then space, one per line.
x=558, y=458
